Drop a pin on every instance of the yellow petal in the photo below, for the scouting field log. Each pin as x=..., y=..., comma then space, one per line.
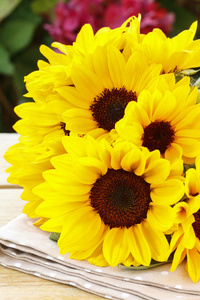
x=86, y=81
x=51, y=209
x=119, y=151
x=82, y=231
x=173, y=153
x=169, y=103
x=189, y=238
x=97, y=258
x=176, y=238
x=138, y=245
x=115, y=246
x=70, y=94
x=192, y=183
x=179, y=256
x=116, y=64
x=189, y=146
x=77, y=113
x=93, y=165
x=134, y=69
x=100, y=63
x=130, y=132
x=168, y=192
x=46, y=192
x=188, y=133
x=193, y=263
x=157, y=171
x=75, y=146
x=135, y=161
x=64, y=184
x=160, y=217
x=157, y=242
x=81, y=125
x=54, y=224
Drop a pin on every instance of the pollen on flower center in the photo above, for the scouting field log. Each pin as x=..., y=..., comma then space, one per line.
x=109, y=106
x=196, y=224
x=121, y=198
x=158, y=135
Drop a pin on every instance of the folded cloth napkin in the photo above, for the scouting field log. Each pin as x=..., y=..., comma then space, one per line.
x=26, y=248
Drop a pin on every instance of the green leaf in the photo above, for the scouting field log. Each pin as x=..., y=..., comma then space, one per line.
x=6, y=7
x=18, y=29
x=189, y=72
x=184, y=17
x=43, y=6
x=188, y=166
x=19, y=32
x=24, y=12
x=6, y=66
x=197, y=83
x=198, y=98
x=141, y=267
x=25, y=62
x=54, y=236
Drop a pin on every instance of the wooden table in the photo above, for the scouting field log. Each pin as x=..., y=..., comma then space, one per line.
x=15, y=285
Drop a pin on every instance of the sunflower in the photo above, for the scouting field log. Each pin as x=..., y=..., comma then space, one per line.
x=41, y=122
x=28, y=164
x=41, y=126
x=186, y=240
x=43, y=117
x=86, y=41
x=175, y=54
x=103, y=85
x=41, y=84
x=41, y=130
x=113, y=204
x=165, y=118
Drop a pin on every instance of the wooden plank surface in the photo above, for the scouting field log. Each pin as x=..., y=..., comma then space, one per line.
x=15, y=285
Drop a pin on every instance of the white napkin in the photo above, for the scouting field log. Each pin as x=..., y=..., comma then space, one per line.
x=26, y=248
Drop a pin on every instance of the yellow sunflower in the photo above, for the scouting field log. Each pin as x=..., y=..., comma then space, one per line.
x=28, y=164
x=186, y=240
x=41, y=84
x=41, y=130
x=41, y=126
x=102, y=87
x=41, y=122
x=175, y=54
x=165, y=118
x=111, y=204
x=44, y=117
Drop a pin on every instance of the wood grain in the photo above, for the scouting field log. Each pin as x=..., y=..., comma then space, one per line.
x=15, y=285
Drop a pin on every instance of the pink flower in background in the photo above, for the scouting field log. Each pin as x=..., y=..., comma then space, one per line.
x=71, y=16
x=152, y=15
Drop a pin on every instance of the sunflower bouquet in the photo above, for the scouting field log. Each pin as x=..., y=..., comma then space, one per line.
x=108, y=153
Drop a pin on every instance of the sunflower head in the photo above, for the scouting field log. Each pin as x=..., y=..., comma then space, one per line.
x=186, y=239
x=165, y=117
x=103, y=85
x=175, y=54
x=41, y=125
x=108, y=196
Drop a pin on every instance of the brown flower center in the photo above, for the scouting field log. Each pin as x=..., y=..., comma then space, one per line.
x=196, y=224
x=62, y=125
x=109, y=106
x=121, y=198
x=158, y=135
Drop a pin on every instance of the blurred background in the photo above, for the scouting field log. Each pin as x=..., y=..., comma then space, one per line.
x=26, y=24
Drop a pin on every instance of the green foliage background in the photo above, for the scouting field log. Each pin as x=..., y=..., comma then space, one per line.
x=22, y=33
